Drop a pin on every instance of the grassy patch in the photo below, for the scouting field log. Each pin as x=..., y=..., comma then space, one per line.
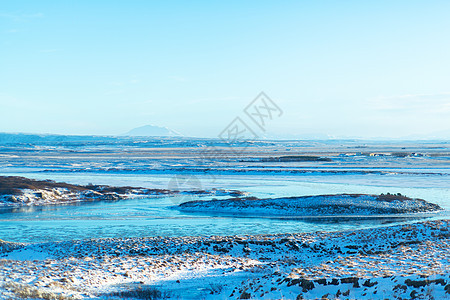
x=392, y=197
x=12, y=185
x=144, y=292
x=24, y=291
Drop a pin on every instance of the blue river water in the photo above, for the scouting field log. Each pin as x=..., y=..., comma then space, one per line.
x=156, y=216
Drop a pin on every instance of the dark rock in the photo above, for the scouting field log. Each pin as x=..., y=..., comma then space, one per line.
x=421, y=283
x=447, y=289
x=440, y=281
x=334, y=281
x=245, y=295
x=305, y=284
x=353, y=280
x=400, y=287
x=367, y=283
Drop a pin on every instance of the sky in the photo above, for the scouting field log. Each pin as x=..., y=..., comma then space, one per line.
x=365, y=69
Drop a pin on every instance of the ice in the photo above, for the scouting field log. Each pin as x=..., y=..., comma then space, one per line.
x=102, y=249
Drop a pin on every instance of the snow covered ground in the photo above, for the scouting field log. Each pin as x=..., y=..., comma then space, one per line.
x=404, y=261
x=322, y=205
x=399, y=261
x=20, y=191
x=112, y=155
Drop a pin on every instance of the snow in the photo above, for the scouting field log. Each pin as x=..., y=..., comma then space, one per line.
x=395, y=261
x=403, y=261
x=28, y=254
x=55, y=196
x=323, y=205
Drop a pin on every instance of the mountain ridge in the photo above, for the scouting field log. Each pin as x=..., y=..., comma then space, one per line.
x=152, y=130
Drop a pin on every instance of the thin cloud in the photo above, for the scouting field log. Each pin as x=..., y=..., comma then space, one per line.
x=431, y=103
x=21, y=17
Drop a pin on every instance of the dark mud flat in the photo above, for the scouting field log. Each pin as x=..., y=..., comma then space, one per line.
x=322, y=205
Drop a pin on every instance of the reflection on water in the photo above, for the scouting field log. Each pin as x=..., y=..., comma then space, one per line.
x=45, y=208
x=359, y=221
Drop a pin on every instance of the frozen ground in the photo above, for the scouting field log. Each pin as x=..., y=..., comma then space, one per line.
x=320, y=205
x=400, y=261
x=349, y=258
x=20, y=191
x=215, y=156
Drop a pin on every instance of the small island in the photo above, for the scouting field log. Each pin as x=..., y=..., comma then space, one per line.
x=321, y=205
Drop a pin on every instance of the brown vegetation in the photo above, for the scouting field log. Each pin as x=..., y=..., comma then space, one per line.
x=12, y=185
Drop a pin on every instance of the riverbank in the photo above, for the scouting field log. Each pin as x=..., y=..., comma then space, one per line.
x=18, y=191
x=399, y=261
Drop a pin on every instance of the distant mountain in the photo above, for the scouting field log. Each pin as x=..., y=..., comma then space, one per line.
x=152, y=130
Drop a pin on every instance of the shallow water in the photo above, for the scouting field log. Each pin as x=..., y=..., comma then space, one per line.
x=155, y=216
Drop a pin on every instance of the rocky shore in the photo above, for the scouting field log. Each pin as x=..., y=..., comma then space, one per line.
x=20, y=191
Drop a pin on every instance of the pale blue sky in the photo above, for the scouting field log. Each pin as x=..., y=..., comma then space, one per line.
x=343, y=68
